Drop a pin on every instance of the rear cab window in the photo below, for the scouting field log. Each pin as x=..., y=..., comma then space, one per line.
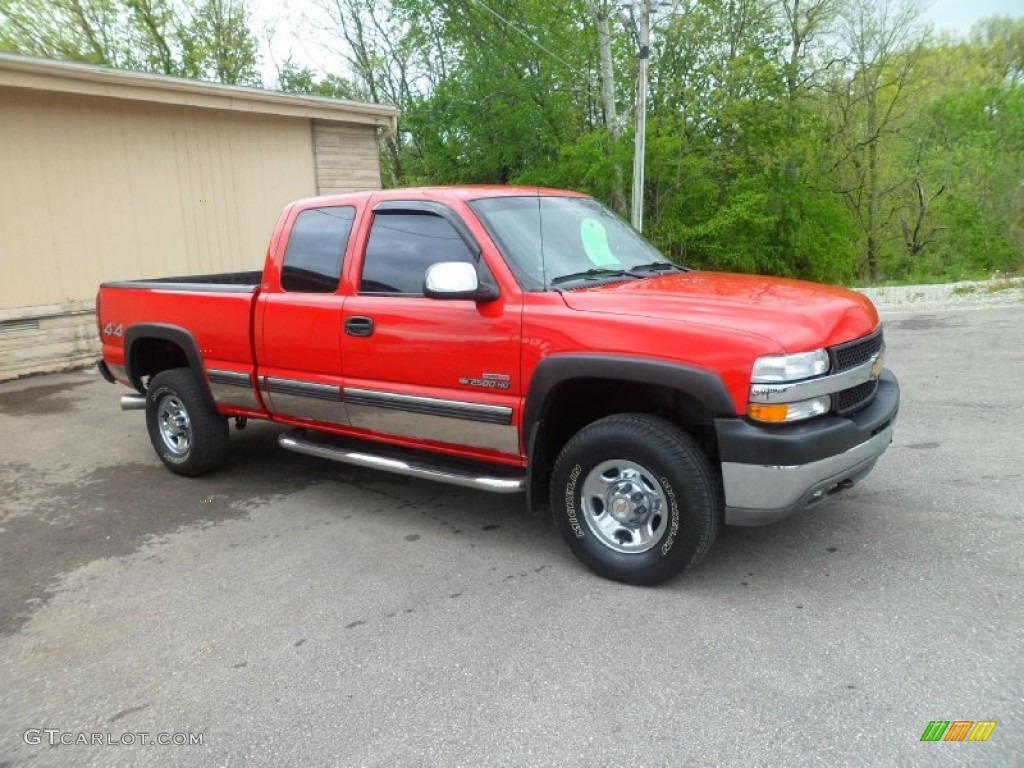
x=316, y=248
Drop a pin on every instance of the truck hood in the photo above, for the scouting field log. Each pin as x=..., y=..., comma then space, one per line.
x=798, y=315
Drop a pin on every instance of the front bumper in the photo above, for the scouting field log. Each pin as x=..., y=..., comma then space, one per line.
x=772, y=472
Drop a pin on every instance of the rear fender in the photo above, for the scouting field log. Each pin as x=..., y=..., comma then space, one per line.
x=170, y=333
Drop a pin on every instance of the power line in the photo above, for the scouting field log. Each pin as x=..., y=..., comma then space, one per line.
x=524, y=33
x=511, y=91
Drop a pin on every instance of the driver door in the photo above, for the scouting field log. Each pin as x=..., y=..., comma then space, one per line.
x=426, y=369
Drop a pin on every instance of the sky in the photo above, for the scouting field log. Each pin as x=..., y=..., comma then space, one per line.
x=957, y=16
x=960, y=15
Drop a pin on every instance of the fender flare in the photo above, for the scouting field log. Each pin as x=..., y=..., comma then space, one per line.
x=172, y=333
x=705, y=387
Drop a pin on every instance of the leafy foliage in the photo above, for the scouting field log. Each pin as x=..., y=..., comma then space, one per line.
x=201, y=39
x=828, y=139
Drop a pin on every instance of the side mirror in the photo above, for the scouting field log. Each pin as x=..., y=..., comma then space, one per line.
x=456, y=280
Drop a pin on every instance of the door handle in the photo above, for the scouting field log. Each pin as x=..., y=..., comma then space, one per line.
x=359, y=326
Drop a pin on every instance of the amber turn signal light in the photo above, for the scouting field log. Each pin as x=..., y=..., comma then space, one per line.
x=776, y=413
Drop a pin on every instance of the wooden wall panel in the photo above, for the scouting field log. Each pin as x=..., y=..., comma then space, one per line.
x=347, y=158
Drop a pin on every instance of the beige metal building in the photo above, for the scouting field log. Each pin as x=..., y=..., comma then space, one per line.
x=109, y=175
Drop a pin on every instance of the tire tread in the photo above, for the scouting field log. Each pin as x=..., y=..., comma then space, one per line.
x=683, y=452
x=210, y=432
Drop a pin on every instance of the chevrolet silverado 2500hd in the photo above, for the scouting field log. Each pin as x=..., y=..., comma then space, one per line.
x=517, y=340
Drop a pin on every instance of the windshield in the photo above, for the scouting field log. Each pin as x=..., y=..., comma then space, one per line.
x=559, y=241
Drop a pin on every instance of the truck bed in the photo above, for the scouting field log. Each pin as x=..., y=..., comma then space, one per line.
x=215, y=309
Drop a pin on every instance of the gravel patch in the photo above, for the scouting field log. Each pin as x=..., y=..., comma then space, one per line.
x=967, y=294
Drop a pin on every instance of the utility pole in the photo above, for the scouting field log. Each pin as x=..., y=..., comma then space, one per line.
x=600, y=11
x=643, y=35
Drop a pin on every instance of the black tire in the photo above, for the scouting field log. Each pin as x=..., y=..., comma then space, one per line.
x=176, y=402
x=655, y=476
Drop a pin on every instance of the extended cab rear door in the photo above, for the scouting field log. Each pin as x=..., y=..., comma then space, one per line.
x=438, y=370
x=298, y=318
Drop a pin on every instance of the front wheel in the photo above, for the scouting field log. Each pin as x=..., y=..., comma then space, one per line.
x=636, y=499
x=188, y=434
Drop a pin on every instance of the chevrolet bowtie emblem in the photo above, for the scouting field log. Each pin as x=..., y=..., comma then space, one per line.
x=876, y=368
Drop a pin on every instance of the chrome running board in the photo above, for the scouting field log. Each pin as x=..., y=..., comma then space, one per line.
x=298, y=440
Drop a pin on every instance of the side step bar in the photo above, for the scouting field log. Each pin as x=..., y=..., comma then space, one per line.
x=297, y=440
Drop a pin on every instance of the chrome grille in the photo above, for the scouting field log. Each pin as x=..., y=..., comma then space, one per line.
x=853, y=353
x=850, y=355
x=855, y=398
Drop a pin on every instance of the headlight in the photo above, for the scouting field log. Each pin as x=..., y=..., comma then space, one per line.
x=772, y=369
x=780, y=413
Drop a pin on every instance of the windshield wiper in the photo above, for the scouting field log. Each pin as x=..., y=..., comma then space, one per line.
x=590, y=274
x=658, y=266
x=641, y=270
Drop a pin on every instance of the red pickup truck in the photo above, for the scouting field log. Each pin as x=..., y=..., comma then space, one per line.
x=517, y=340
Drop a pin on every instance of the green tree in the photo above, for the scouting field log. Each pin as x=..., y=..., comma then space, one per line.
x=869, y=101
x=973, y=139
x=827, y=139
x=91, y=31
x=217, y=42
x=293, y=79
x=1000, y=40
x=207, y=39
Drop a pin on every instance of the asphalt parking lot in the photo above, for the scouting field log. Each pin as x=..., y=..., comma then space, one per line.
x=296, y=612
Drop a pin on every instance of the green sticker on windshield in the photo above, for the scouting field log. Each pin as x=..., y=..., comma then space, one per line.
x=595, y=243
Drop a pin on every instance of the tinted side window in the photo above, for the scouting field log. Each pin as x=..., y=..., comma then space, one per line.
x=402, y=244
x=312, y=261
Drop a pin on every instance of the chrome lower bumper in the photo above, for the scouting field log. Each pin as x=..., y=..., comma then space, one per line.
x=757, y=494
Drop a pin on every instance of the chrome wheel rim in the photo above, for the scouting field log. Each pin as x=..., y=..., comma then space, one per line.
x=624, y=506
x=175, y=425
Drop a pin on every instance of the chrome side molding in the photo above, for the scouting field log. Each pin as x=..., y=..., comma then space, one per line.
x=304, y=399
x=297, y=440
x=232, y=388
x=455, y=409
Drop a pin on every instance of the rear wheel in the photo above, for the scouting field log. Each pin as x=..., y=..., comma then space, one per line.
x=636, y=499
x=188, y=434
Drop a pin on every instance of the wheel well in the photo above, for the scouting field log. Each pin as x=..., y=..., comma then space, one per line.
x=578, y=402
x=149, y=356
